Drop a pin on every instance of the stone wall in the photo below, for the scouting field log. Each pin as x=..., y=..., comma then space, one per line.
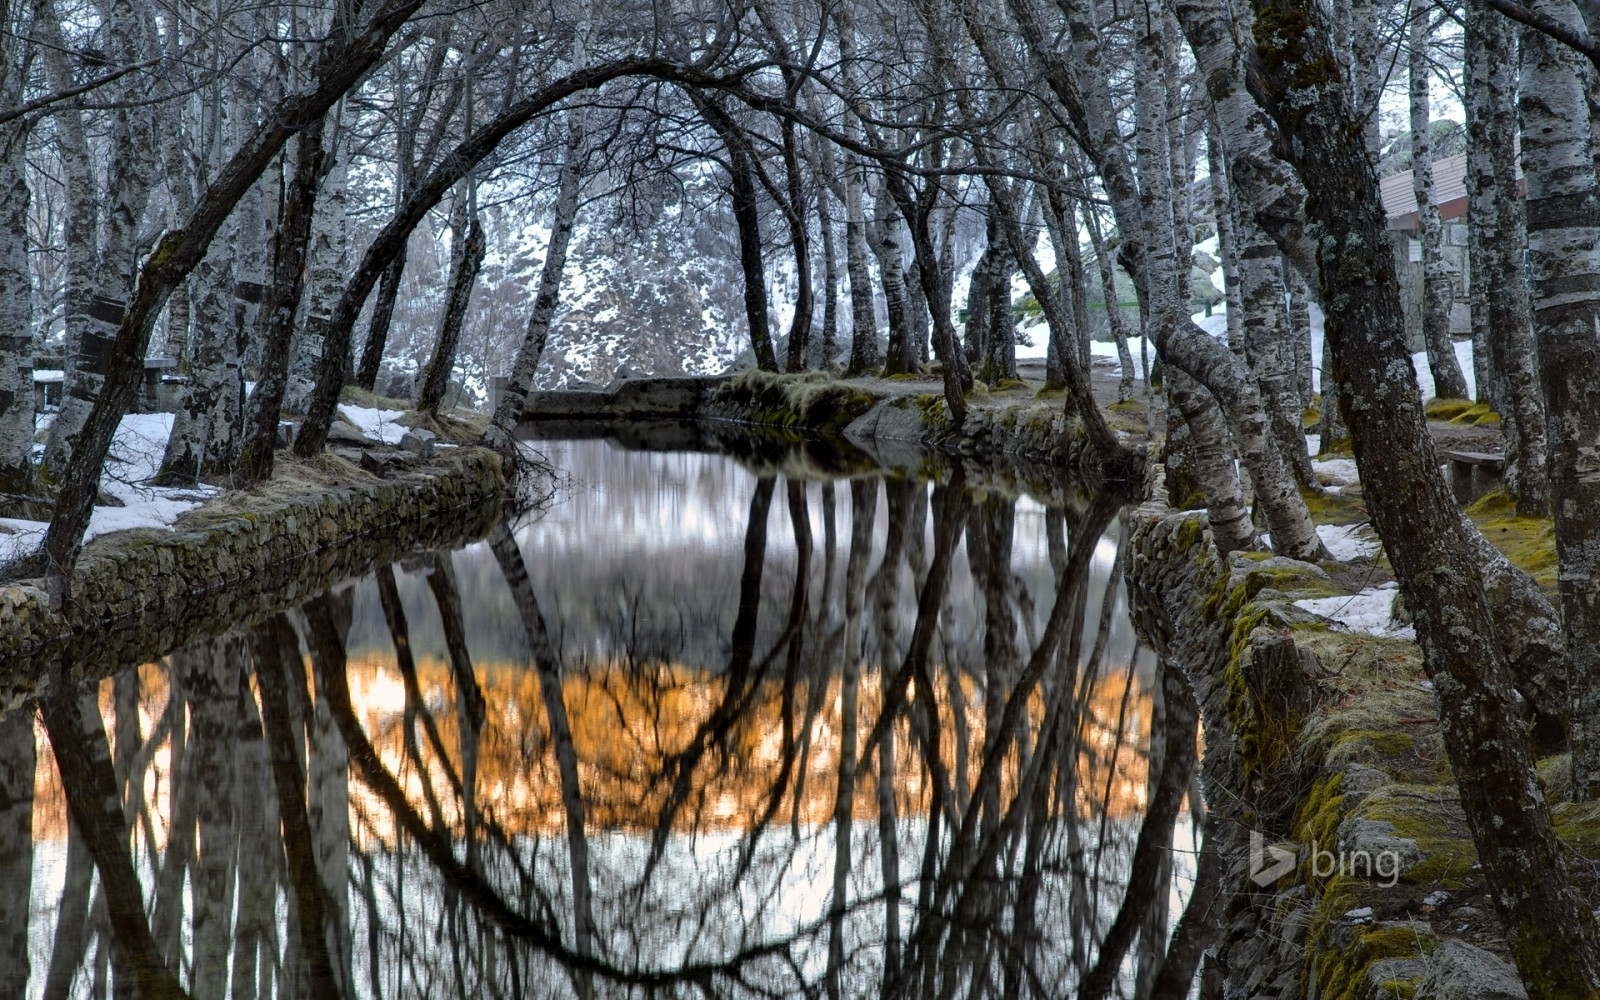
x=138, y=594
x=1034, y=439
x=1319, y=740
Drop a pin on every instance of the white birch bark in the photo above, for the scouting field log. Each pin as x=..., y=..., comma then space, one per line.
x=16, y=310
x=1437, y=293
x=129, y=179
x=1496, y=215
x=1563, y=206
x=326, y=270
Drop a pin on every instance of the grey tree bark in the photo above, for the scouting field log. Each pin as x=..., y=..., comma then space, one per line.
x=1550, y=929
x=513, y=400
x=467, y=251
x=1563, y=206
x=129, y=180
x=16, y=295
x=1437, y=293
x=1149, y=246
x=327, y=264
x=1496, y=215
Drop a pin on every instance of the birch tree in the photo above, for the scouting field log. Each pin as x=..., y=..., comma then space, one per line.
x=1437, y=286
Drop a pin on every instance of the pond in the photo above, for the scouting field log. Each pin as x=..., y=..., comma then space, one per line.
x=700, y=726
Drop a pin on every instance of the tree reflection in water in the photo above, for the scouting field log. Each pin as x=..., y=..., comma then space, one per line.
x=694, y=732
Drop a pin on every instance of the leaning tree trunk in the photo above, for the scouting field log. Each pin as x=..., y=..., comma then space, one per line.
x=1437, y=290
x=1550, y=928
x=1212, y=464
x=1150, y=244
x=1563, y=227
x=513, y=399
x=1496, y=216
x=747, y=215
x=340, y=63
x=467, y=253
x=279, y=305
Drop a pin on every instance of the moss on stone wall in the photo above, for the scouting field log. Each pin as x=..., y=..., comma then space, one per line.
x=143, y=592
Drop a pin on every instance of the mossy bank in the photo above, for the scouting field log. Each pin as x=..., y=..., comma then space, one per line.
x=1323, y=743
x=1015, y=426
x=137, y=594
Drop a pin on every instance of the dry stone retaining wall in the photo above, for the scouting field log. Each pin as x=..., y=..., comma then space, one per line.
x=139, y=594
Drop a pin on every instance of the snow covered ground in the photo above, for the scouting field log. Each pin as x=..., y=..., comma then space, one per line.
x=379, y=425
x=1368, y=611
x=136, y=452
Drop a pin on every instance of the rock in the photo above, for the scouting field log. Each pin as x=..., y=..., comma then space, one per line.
x=287, y=429
x=416, y=444
x=1461, y=971
x=343, y=433
x=1372, y=851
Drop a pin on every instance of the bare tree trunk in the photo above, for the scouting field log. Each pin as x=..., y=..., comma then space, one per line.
x=746, y=213
x=1437, y=295
x=514, y=397
x=1213, y=464
x=1115, y=321
x=999, y=358
x=1268, y=345
x=980, y=288
x=1550, y=929
x=129, y=179
x=327, y=264
x=16, y=310
x=279, y=306
x=340, y=64
x=794, y=212
x=1496, y=217
x=901, y=357
x=1300, y=339
x=1563, y=223
x=208, y=414
x=467, y=253
x=830, y=276
x=1149, y=241
x=17, y=765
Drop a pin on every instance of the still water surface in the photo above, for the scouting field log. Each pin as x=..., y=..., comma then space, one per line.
x=690, y=730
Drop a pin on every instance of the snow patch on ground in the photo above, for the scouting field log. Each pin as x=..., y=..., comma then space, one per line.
x=1366, y=612
x=1348, y=541
x=136, y=452
x=379, y=425
x=1341, y=470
